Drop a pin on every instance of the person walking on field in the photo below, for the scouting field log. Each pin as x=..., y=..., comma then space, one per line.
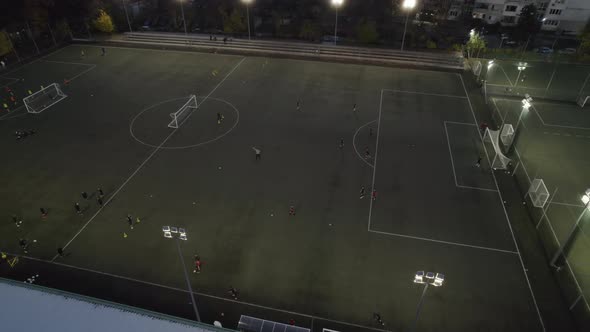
x=341, y=143
x=130, y=221
x=77, y=207
x=257, y=152
x=292, y=210
x=220, y=118
x=362, y=192
x=374, y=195
x=99, y=201
x=84, y=195
x=43, y=213
x=100, y=192
x=354, y=107
x=197, y=264
x=478, y=162
x=103, y=51
x=233, y=292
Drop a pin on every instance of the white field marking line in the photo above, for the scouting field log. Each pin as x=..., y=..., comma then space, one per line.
x=70, y=63
x=6, y=116
x=424, y=93
x=375, y=160
x=476, y=188
x=196, y=293
x=451, y=154
x=523, y=165
x=36, y=60
x=567, y=204
x=12, y=80
x=554, y=125
x=505, y=212
x=354, y=144
x=143, y=164
x=82, y=73
x=544, y=214
x=453, y=162
x=506, y=75
x=461, y=123
x=444, y=242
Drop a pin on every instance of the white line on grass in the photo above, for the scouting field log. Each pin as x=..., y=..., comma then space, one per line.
x=461, y=123
x=375, y=160
x=196, y=293
x=554, y=125
x=476, y=188
x=82, y=73
x=505, y=212
x=143, y=163
x=188, y=51
x=354, y=143
x=70, y=63
x=508, y=78
x=444, y=242
x=424, y=93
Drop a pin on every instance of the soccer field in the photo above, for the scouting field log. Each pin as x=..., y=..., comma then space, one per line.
x=335, y=263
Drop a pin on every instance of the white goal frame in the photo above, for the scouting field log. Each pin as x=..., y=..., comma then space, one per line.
x=538, y=193
x=179, y=116
x=583, y=100
x=43, y=93
x=500, y=161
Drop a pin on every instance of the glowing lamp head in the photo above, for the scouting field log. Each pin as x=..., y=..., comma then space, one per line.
x=490, y=64
x=586, y=198
x=337, y=3
x=409, y=4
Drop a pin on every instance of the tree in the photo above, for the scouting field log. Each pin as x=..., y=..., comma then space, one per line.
x=366, y=32
x=528, y=25
x=234, y=22
x=475, y=44
x=309, y=31
x=5, y=44
x=585, y=39
x=103, y=22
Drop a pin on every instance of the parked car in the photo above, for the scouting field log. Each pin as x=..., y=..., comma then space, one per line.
x=544, y=50
x=568, y=50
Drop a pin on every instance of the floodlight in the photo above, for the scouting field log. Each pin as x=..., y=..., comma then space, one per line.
x=409, y=4
x=247, y=1
x=419, y=277
x=471, y=32
x=586, y=197
x=490, y=64
x=337, y=3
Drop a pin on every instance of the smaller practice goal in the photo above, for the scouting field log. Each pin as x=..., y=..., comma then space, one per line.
x=491, y=139
x=44, y=98
x=538, y=193
x=583, y=100
x=179, y=116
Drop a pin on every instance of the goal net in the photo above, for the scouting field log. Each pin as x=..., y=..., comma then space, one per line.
x=538, y=193
x=44, y=98
x=491, y=140
x=507, y=135
x=179, y=116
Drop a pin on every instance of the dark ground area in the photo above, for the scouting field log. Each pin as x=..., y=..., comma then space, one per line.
x=325, y=261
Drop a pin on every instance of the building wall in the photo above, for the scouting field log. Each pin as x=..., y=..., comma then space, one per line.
x=569, y=16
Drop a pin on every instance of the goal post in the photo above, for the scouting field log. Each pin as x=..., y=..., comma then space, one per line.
x=44, y=98
x=538, y=193
x=491, y=140
x=583, y=100
x=183, y=112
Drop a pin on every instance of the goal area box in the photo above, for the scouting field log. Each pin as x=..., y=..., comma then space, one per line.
x=44, y=98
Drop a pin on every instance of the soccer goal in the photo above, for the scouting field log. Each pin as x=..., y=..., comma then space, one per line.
x=179, y=116
x=507, y=135
x=44, y=98
x=538, y=193
x=583, y=100
x=491, y=140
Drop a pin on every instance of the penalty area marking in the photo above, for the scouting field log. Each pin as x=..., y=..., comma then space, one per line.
x=185, y=146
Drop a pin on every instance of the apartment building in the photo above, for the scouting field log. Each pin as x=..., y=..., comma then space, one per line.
x=567, y=16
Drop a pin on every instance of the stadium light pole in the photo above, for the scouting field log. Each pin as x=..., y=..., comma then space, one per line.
x=521, y=67
x=180, y=234
x=428, y=278
x=586, y=200
x=407, y=5
x=32, y=37
x=183, y=19
x=336, y=4
x=247, y=3
x=127, y=15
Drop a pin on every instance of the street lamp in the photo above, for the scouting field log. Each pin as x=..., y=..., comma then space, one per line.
x=336, y=4
x=183, y=20
x=586, y=200
x=430, y=278
x=407, y=5
x=521, y=67
x=127, y=15
x=180, y=234
x=248, y=2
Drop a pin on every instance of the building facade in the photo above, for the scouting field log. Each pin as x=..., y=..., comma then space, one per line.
x=566, y=16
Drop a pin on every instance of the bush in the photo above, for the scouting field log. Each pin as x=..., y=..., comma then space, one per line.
x=430, y=44
x=104, y=22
